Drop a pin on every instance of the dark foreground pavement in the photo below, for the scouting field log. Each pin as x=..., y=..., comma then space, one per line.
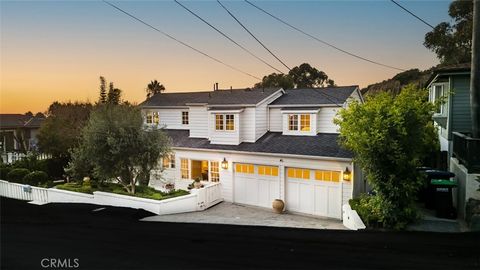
x=114, y=239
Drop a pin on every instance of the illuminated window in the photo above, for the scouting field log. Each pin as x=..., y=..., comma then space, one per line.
x=244, y=168
x=293, y=122
x=149, y=118
x=169, y=162
x=229, y=122
x=305, y=122
x=184, y=118
x=214, y=174
x=268, y=170
x=184, y=168
x=298, y=173
x=219, y=122
x=332, y=176
x=156, y=118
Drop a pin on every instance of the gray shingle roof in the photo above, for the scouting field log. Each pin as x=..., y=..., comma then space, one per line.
x=219, y=97
x=12, y=121
x=326, y=95
x=323, y=145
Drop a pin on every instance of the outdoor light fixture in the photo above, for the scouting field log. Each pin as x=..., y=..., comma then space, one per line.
x=224, y=164
x=347, y=174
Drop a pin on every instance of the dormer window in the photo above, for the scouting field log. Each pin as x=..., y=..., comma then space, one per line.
x=295, y=125
x=153, y=118
x=184, y=118
x=224, y=122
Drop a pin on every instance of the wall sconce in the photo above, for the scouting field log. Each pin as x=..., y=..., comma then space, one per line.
x=347, y=175
x=224, y=164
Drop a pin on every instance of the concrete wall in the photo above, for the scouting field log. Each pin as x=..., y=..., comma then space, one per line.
x=467, y=185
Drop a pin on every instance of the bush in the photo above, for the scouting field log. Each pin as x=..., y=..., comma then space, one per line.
x=36, y=178
x=16, y=175
x=76, y=187
x=4, y=170
x=32, y=163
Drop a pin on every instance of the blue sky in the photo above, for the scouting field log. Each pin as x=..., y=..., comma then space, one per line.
x=57, y=49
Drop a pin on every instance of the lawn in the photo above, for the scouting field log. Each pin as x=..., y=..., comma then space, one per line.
x=140, y=191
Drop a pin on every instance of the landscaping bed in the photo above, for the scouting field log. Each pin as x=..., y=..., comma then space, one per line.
x=140, y=191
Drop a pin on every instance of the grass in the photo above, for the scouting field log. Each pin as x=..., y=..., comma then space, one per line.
x=140, y=191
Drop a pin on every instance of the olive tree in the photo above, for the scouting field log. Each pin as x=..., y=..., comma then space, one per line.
x=116, y=145
x=390, y=136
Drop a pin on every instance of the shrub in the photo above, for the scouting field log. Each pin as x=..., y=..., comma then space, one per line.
x=36, y=178
x=76, y=187
x=16, y=175
x=4, y=170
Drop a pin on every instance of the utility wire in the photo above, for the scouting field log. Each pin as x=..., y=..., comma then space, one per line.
x=227, y=37
x=322, y=41
x=181, y=42
x=411, y=13
x=248, y=31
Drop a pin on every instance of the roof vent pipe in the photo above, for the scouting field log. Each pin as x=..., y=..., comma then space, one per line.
x=216, y=86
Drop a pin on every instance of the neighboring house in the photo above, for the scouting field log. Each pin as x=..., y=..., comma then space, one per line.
x=18, y=132
x=454, y=124
x=260, y=144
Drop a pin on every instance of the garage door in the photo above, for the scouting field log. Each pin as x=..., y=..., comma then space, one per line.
x=315, y=192
x=256, y=184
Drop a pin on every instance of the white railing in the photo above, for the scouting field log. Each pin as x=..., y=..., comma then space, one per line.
x=208, y=196
x=11, y=157
x=23, y=192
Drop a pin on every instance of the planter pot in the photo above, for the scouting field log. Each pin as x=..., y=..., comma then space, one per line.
x=197, y=184
x=278, y=206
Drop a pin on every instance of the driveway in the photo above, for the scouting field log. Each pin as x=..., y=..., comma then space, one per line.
x=234, y=214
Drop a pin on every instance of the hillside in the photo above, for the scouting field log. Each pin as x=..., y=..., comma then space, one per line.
x=395, y=84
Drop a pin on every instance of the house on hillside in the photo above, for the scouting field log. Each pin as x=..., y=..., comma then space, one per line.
x=260, y=144
x=18, y=132
x=454, y=124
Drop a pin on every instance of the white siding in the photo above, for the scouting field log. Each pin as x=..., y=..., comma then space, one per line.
x=261, y=114
x=198, y=122
x=325, y=120
x=247, y=125
x=170, y=118
x=275, y=120
x=224, y=136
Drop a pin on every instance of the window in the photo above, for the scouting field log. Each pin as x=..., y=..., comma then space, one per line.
x=156, y=118
x=168, y=162
x=184, y=118
x=298, y=173
x=224, y=122
x=184, y=168
x=214, y=174
x=268, y=170
x=219, y=122
x=149, y=118
x=332, y=176
x=295, y=125
x=293, y=122
x=244, y=168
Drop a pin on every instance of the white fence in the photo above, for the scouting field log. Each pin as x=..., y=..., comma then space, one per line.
x=11, y=157
x=351, y=219
x=198, y=200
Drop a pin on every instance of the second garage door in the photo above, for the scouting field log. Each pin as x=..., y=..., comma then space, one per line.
x=256, y=184
x=315, y=192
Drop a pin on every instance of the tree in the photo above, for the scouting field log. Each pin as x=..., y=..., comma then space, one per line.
x=103, y=90
x=114, y=94
x=60, y=131
x=116, y=145
x=303, y=76
x=389, y=137
x=453, y=42
x=154, y=87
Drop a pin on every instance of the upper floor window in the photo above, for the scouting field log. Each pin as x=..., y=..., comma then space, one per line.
x=302, y=125
x=224, y=122
x=436, y=95
x=153, y=118
x=184, y=118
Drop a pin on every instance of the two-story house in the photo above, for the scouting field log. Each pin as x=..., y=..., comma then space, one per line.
x=260, y=144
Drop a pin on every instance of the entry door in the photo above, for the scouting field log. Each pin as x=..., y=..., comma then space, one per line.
x=256, y=185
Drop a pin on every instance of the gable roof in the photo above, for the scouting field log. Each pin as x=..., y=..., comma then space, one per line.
x=316, y=96
x=245, y=96
x=322, y=145
x=20, y=120
x=457, y=68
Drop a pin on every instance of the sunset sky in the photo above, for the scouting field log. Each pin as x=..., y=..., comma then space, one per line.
x=56, y=50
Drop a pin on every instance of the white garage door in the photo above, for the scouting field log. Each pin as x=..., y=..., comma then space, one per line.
x=256, y=184
x=315, y=192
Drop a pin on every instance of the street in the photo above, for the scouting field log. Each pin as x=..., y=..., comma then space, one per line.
x=113, y=238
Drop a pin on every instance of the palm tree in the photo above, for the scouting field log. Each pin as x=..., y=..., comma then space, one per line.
x=154, y=87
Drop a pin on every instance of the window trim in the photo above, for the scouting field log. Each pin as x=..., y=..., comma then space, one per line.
x=434, y=97
x=185, y=118
x=222, y=127
x=170, y=161
x=296, y=121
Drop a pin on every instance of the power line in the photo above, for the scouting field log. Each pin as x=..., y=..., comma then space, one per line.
x=181, y=42
x=246, y=29
x=227, y=37
x=322, y=41
x=411, y=13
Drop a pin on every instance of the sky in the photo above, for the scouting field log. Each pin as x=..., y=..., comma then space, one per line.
x=56, y=50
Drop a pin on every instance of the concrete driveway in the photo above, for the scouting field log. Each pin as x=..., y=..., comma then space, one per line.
x=234, y=214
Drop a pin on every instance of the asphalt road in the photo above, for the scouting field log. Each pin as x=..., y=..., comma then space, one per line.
x=113, y=238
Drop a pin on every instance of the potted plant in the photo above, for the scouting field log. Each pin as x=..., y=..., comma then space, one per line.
x=197, y=183
x=278, y=205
